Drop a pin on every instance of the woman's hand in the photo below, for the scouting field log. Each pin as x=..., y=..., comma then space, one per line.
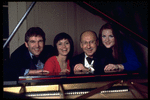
x=64, y=72
x=110, y=68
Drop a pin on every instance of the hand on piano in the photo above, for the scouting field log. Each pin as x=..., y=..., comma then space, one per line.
x=78, y=68
x=111, y=68
x=64, y=72
x=38, y=72
x=81, y=72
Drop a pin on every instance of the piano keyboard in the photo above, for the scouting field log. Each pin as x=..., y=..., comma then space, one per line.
x=73, y=92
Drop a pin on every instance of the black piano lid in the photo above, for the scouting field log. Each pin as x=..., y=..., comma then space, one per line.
x=80, y=78
x=130, y=16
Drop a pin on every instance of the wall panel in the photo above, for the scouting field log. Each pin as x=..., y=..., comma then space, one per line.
x=56, y=17
x=53, y=18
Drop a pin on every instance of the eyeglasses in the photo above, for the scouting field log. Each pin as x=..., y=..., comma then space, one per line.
x=85, y=43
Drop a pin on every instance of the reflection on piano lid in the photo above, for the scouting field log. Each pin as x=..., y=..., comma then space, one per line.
x=74, y=76
x=61, y=79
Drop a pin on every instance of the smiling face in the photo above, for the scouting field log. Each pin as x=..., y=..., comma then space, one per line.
x=89, y=43
x=108, y=38
x=35, y=45
x=63, y=47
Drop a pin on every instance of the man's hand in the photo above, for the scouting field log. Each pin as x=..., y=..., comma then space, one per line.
x=38, y=72
x=80, y=67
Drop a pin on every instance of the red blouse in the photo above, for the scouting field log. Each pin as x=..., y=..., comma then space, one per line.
x=52, y=65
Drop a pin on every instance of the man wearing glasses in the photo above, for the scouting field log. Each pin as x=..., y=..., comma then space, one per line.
x=91, y=60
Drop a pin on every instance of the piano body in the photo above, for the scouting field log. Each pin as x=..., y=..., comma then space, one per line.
x=107, y=86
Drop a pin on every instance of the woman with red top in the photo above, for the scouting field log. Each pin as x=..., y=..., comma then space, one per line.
x=60, y=63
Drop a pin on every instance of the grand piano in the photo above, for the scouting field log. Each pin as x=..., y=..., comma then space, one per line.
x=125, y=85
x=79, y=86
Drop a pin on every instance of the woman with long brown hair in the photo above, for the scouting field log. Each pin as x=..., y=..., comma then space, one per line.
x=123, y=55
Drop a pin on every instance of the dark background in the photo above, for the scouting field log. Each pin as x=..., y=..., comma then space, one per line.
x=131, y=14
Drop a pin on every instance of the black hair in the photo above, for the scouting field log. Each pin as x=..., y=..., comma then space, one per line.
x=61, y=36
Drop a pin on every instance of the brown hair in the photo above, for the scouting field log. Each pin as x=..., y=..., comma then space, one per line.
x=118, y=46
x=34, y=31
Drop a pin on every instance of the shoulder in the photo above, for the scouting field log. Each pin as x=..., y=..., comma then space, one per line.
x=51, y=64
x=48, y=51
x=48, y=47
x=21, y=48
x=20, y=51
x=80, y=56
x=127, y=45
x=103, y=52
x=52, y=59
x=77, y=59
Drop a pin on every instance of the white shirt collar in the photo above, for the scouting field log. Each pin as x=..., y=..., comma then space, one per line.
x=86, y=62
x=31, y=55
x=87, y=65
